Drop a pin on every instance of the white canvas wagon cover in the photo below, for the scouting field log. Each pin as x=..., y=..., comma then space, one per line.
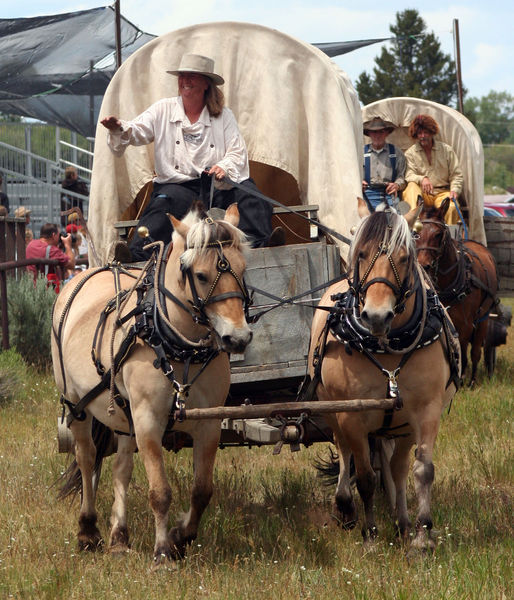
x=454, y=129
x=296, y=109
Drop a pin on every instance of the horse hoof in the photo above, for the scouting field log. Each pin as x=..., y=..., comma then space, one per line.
x=345, y=522
x=370, y=534
x=90, y=544
x=179, y=543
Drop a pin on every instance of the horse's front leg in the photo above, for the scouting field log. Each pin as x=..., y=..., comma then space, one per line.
x=88, y=536
x=149, y=428
x=423, y=470
x=344, y=506
x=205, y=447
x=400, y=462
x=121, y=475
x=366, y=483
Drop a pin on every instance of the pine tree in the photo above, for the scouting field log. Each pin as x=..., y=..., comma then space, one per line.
x=415, y=67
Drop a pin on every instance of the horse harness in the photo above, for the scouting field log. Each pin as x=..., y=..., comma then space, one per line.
x=465, y=279
x=152, y=326
x=428, y=321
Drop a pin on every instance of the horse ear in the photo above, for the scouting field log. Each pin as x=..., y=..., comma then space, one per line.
x=413, y=214
x=180, y=227
x=232, y=215
x=362, y=208
x=445, y=205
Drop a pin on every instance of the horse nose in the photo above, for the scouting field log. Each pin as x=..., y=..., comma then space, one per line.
x=378, y=323
x=236, y=343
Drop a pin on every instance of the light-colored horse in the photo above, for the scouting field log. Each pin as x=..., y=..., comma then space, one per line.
x=205, y=300
x=385, y=289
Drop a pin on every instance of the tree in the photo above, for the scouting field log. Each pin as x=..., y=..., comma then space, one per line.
x=415, y=67
x=493, y=116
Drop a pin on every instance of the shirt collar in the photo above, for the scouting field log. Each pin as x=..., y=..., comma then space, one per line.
x=178, y=114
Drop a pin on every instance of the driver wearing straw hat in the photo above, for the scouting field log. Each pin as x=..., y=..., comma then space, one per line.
x=384, y=165
x=193, y=134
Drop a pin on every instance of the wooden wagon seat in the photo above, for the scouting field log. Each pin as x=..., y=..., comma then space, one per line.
x=271, y=181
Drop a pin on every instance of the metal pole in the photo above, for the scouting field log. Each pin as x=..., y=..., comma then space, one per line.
x=5, y=318
x=117, y=17
x=456, y=41
x=91, y=100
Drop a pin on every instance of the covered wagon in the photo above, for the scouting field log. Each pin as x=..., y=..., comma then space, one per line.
x=457, y=131
x=297, y=111
x=301, y=120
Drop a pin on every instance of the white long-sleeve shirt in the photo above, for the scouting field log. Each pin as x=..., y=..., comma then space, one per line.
x=182, y=151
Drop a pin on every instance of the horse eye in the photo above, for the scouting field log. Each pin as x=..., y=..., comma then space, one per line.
x=202, y=278
x=361, y=255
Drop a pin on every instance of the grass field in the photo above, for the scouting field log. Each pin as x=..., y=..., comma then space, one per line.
x=267, y=532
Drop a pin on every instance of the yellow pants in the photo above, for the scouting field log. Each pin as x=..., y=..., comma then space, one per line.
x=412, y=191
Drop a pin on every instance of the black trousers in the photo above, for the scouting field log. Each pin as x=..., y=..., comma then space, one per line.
x=176, y=199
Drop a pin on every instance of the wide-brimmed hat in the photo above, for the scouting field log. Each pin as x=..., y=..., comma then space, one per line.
x=22, y=212
x=376, y=124
x=195, y=63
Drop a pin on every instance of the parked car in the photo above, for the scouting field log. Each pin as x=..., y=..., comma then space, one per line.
x=506, y=209
x=491, y=212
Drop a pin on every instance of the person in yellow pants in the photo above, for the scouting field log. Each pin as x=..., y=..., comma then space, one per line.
x=433, y=170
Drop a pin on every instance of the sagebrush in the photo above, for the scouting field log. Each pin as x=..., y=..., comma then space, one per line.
x=30, y=318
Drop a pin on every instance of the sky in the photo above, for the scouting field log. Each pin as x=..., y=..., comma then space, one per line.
x=485, y=27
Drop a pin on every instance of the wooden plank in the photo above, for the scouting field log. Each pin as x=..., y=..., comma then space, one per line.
x=285, y=408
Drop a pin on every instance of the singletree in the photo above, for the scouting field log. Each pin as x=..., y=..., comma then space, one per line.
x=414, y=67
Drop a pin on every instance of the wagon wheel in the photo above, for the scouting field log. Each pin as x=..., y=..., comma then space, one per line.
x=490, y=358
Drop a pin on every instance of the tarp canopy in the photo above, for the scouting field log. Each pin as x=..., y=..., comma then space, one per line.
x=45, y=64
x=296, y=109
x=454, y=129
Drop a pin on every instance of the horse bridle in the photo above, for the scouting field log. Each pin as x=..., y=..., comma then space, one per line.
x=223, y=266
x=401, y=290
x=437, y=251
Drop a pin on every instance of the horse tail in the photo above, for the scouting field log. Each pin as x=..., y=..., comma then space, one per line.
x=328, y=468
x=103, y=438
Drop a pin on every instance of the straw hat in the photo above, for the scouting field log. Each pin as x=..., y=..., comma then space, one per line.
x=195, y=63
x=376, y=124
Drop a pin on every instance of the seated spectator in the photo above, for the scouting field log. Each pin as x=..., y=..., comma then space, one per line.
x=48, y=247
x=29, y=236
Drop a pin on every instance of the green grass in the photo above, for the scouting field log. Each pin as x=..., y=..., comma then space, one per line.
x=267, y=532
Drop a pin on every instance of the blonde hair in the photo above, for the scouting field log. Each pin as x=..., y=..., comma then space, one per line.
x=214, y=100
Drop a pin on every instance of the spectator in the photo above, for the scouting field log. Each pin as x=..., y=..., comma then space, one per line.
x=48, y=247
x=4, y=200
x=72, y=183
x=3, y=211
x=23, y=213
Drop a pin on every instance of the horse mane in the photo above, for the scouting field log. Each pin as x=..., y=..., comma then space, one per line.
x=203, y=232
x=383, y=226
